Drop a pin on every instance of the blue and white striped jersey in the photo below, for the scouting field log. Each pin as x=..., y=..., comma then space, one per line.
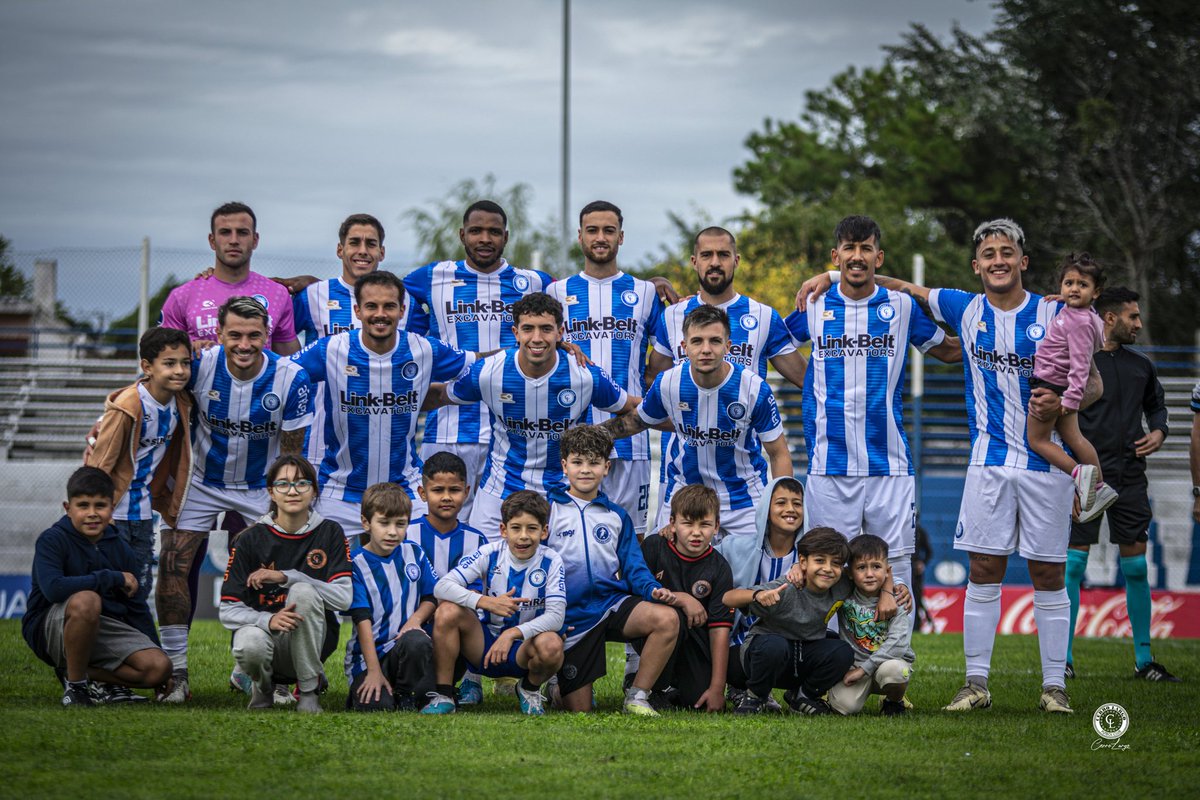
x=540, y=580
x=325, y=308
x=236, y=436
x=769, y=568
x=390, y=588
x=444, y=549
x=756, y=332
x=371, y=406
x=601, y=556
x=529, y=416
x=720, y=429
x=853, y=412
x=155, y=431
x=998, y=351
x=472, y=311
x=612, y=320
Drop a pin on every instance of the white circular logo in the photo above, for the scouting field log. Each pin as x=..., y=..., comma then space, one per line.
x=1036, y=332
x=413, y=572
x=736, y=410
x=537, y=577
x=521, y=283
x=629, y=297
x=566, y=397
x=262, y=299
x=410, y=370
x=270, y=401
x=1110, y=721
x=886, y=312
x=950, y=573
x=749, y=322
x=602, y=533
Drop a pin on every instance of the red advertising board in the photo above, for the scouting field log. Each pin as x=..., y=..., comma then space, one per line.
x=1101, y=612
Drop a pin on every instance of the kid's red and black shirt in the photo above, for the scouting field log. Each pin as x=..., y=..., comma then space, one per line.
x=706, y=577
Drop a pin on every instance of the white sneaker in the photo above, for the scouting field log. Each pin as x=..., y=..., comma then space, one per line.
x=1084, y=476
x=532, y=703
x=1105, y=497
x=283, y=695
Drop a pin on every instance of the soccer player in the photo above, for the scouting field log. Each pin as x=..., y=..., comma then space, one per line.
x=860, y=474
x=611, y=316
x=534, y=393
x=192, y=307
x=1013, y=500
x=251, y=405
x=1113, y=424
x=725, y=416
x=375, y=382
x=468, y=304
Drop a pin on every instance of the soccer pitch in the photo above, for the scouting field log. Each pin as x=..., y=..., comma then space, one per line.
x=214, y=748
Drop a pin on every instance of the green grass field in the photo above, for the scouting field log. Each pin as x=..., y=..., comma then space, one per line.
x=214, y=748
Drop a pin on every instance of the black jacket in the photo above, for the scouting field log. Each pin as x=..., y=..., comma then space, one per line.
x=1114, y=422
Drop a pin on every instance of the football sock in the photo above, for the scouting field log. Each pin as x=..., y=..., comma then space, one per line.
x=1137, y=601
x=1076, y=567
x=633, y=661
x=981, y=615
x=528, y=685
x=473, y=677
x=1052, y=615
x=445, y=689
x=175, y=645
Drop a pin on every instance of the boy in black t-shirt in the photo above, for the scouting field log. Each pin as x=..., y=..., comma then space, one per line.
x=685, y=562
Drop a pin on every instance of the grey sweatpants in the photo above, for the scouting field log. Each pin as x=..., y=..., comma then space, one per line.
x=297, y=652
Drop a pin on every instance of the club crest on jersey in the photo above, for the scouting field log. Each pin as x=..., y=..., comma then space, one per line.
x=601, y=533
x=316, y=559
x=629, y=297
x=566, y=397
x=521, y=283
x=1036, y=332
x=537, y=578
x=412, y=572
x=352, y=370
x=262, y=299
x=213, y=394
x=827, y=315
x=270, y=401
x=736, y=410
x=958, y=532
x=410, y=370
x=748, y=322
x=334, y=305
x=886, y=312
x=701, y=589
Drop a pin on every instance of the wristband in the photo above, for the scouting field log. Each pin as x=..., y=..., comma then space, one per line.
x=754, y=596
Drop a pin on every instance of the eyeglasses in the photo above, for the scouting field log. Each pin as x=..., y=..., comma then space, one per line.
x=285, y=486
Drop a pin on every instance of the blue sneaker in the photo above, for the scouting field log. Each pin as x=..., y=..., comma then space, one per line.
x=438, y=704
x=470, y=692
x=532, y=703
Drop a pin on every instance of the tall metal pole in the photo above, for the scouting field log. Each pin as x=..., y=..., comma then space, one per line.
x=565, y=210
x=917, y=374
x=144, y=296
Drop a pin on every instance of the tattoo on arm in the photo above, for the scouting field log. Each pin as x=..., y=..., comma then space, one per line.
x=291, y=442
x=624, y=425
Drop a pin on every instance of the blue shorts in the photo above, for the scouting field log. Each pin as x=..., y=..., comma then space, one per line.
x=507, y=669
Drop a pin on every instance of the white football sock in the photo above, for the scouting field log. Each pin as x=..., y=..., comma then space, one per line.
x=175, y=644
x=1052, y=615
x=981, y=615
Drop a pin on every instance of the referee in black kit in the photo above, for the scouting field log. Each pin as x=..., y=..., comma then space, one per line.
x=1113, y=424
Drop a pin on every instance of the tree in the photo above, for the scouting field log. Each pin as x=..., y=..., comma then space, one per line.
x=122, y=332
x=13, y=282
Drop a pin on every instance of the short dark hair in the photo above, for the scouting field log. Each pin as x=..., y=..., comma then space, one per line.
x=537, y=303
x=598, y=206
x=695, y=502
x=157, y=339
x=388, y=499
x=857, y=228
x=789, y=484
x=525, y=501
x=444, y=462
x=90, y=481
x=226, y=209
x=244, y=307
x=585, y=440
x=824, y=542
x=1085, y=265
x=715, y=230
x=867, y=545
x=359, y=219
x=304, y=468
x=1114, y=298
x=488, y=207
x=703, y=315
x=380, y=277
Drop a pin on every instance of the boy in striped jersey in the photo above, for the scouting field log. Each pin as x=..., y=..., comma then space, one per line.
x=523, y=598
x=144, y=443
x=389, y=660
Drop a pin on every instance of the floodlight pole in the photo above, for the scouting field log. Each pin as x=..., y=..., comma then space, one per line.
x=565, y=243
x=917, y=374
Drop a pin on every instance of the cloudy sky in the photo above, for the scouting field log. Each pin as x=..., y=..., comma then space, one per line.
x=136, y=117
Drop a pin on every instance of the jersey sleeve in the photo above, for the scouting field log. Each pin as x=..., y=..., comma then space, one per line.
x=468, y=388
x=305, y=324
x=654, y=322
x=719, y=614
x=174, y=310
x=797, y=325
x=922, y=332
x=238, y=569
x=633, y=566
x=949, y=305
x=297, y=412
x=470, y=569
x=651, y=409
x=285, y=328
x=765, y=420
x=417, y=284
x=652, y=547
x=312, y=359
x=1195, y=404
x=606, y=395
x=448, y=361
x=545, y=277
x=779, y=339
x=337, y=555
x=662, y=341
x=360, y=598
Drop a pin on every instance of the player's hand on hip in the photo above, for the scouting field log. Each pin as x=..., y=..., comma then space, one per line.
x=1148, y=444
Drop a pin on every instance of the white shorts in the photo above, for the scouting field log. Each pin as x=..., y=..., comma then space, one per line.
x=628, y=485
x=485, y=515
x=204, y=503
x=1005, y=509
x=883, y=505
x=738, y=522
x=474, y=455
x=349, y=515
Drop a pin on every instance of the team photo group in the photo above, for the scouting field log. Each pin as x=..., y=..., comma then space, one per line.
x=517, y=530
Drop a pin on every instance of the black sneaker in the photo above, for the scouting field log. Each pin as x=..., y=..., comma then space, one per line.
x=802, y=704
x=1069, y=670
x=1155, y=671
x=749, y=704
x=404, y=701
x=73, y=697
x=106, y=693
x=892, y=708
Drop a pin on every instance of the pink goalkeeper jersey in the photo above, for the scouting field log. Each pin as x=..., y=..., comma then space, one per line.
x=193, y=306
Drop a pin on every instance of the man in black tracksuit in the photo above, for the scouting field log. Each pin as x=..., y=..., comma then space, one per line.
x=1113, y=424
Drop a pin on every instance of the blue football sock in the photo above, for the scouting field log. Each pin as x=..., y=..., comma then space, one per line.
x=1076, y=567
x=1137, y=601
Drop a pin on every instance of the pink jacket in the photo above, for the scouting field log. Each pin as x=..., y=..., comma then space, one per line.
x=1065, y=355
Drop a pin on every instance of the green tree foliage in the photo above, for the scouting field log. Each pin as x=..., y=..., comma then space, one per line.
x=13, y=282
x=123, y=331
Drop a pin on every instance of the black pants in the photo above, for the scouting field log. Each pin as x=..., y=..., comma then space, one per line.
x=689, y=670
x=408, y=667
x=771, y=662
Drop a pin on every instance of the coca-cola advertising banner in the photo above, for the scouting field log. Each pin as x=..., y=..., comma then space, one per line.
x=1102, y=612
